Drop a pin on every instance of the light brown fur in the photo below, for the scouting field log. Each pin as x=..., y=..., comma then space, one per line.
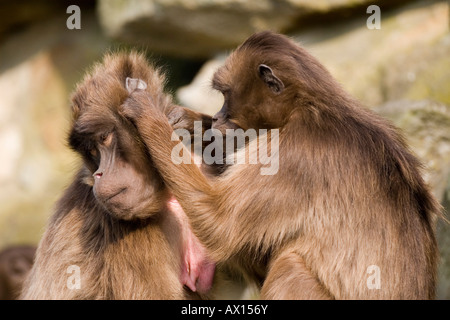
x=130, y=245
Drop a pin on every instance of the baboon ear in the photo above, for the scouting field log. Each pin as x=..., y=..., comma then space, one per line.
x=132, y=84
x=271, y=80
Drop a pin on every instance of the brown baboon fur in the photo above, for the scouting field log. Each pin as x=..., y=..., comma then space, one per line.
x=348, y=194
x=114, y=222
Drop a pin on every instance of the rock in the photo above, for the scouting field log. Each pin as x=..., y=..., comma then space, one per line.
x=407, y=58
x=204, y=28
x=199, y=95
x=38, y=70
x=18, y=15
x=430, y=79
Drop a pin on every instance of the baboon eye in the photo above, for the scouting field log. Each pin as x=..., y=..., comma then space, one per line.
x=106, y=139
x=103, y=137
x=93, y=152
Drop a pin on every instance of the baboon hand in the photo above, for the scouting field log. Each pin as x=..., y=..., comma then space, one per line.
x=138, y=104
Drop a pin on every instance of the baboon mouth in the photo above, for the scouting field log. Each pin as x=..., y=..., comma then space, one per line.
x=115, y=194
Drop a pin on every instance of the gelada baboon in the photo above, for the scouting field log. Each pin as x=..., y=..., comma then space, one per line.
x=347, y=214
x=15, y=263
x=117, y=233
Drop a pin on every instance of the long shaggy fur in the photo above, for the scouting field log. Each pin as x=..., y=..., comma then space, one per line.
x=348, y=194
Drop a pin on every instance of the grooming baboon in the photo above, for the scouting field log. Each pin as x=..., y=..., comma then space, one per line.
x=347, y=195
x=116, y=232
x=15, y=263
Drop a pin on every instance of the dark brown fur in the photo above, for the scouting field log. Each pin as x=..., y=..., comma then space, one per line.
x=348, y=193
x=129, y=245
x=15, y=263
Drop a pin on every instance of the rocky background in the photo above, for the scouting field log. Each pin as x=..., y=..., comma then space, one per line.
x=401, y=70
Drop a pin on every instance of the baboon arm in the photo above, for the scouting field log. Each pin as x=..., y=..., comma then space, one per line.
x=289, y=278
x=184, y=118
x=192, y=190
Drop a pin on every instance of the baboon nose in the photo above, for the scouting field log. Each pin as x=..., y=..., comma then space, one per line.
x=98, y=174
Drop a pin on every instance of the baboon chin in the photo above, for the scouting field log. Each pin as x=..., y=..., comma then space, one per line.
x=348, y=194
x=117, y=223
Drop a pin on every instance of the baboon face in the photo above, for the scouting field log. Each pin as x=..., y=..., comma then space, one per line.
x=121, y=174
x=253, y=95
x=266, y=79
